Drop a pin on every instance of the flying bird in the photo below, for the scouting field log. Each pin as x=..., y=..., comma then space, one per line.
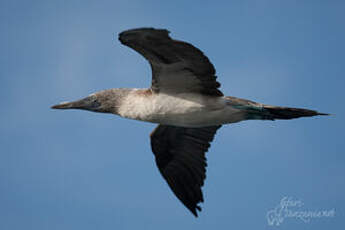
x=185, y=101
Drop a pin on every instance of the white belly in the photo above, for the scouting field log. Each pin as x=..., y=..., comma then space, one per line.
x=187, y=110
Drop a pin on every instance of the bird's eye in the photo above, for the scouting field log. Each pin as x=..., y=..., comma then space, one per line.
x=93, y=102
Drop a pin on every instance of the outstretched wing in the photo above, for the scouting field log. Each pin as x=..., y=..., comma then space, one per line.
x=180, y=157
x=176, y=66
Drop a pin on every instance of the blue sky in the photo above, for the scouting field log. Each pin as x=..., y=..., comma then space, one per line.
x=82, y=170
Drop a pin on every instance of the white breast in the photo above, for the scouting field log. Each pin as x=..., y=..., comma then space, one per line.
x=189, y=110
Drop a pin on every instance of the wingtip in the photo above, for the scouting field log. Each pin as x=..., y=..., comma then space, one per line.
x=194, y=210
x=122, y=35
x=194, y=213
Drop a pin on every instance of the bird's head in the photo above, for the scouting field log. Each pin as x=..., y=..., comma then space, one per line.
x=106, y=101
x=90, y=102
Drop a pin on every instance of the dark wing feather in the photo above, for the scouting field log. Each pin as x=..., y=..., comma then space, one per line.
x=176, y=66
x=180, y=157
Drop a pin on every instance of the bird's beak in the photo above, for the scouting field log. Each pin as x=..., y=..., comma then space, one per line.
x=64, y=105
x=88, y=103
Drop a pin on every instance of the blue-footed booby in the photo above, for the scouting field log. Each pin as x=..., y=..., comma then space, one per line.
x=186, y=103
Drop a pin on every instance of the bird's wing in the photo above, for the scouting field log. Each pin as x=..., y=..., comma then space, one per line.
x=180, y=157
x=176, y=66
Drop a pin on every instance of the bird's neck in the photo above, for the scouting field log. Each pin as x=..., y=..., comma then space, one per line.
x=115, y=99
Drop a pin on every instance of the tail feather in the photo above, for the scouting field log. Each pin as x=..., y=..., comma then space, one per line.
x=258, y=111
x=277, y=112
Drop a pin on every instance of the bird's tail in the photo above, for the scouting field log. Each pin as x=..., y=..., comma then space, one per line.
x=270, y=112
x=258, y=111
